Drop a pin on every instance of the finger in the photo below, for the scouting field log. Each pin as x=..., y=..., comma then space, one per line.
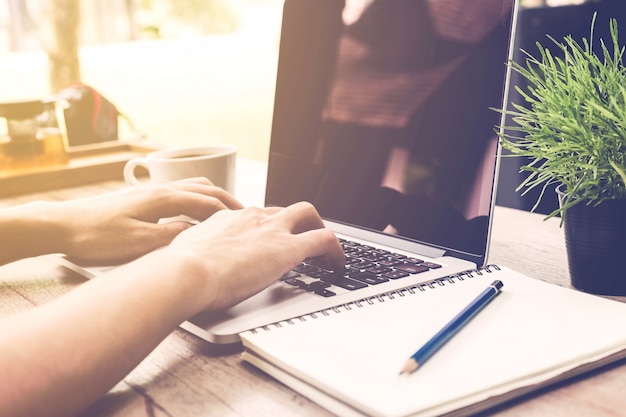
x=166, y=232
x=200, y=187
x=168, y=203
x=300, y=217
x=197, y=180
x=322, y=242
x=305, y=222
x=273, y=210
x=147, y=237
x=195, y=205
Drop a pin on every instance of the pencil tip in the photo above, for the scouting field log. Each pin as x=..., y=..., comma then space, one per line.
x=409, y=367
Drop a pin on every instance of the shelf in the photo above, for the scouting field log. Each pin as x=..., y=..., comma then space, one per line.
x=88, y=164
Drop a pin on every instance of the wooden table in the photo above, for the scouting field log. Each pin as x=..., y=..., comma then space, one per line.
x=185, y=376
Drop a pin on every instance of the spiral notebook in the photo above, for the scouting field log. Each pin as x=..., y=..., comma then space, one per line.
x=348, y=358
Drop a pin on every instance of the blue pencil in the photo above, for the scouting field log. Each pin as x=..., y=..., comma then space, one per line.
x=451, y=328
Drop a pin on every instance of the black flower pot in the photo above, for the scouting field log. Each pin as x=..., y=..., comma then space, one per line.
x=595, y=238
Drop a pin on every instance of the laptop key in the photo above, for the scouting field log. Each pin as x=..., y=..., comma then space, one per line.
x=365, y=266
x=317, y=273
x=319, y=262
x=372, y=257
x=368, y=278
x=350, y=284
x=411, y=268
x=389, y=262
x=337, y=279
x=306, y=269
x=378, y=270
x=318, y=285
x=395, y=274
x=413, y=260
x=297, y=283
x=362, y=265
x=325, y=293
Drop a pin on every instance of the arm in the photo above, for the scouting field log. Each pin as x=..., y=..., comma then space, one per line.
x=113, y=227
x=50, y=363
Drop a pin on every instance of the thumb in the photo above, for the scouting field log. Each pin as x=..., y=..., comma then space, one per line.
x=164, y=233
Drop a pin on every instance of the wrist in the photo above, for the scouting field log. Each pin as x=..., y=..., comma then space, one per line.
x=181, y=274
x=31, y=229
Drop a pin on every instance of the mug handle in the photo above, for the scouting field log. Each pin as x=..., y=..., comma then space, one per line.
x=129, y=169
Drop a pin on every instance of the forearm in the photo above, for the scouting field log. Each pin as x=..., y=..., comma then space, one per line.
x=31, y=229
x=60, y=357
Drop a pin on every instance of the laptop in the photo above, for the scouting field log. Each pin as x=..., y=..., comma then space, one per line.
x=383, y=119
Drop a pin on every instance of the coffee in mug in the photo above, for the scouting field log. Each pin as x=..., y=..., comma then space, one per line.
x=215, y=162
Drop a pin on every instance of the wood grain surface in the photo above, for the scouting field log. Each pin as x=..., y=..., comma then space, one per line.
x=186, y=377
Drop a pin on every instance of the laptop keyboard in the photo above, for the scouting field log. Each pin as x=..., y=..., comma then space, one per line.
x=365, y=266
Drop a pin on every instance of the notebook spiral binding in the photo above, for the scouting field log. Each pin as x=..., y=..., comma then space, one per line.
x=381, y=298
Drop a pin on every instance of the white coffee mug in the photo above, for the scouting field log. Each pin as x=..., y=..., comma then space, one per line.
x=215, y=162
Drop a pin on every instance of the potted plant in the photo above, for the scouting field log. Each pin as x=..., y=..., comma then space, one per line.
x=572, y=128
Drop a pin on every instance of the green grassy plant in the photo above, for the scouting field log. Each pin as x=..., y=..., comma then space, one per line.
x=573, y=127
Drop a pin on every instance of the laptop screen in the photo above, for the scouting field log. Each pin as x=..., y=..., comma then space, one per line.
x=382, y=115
